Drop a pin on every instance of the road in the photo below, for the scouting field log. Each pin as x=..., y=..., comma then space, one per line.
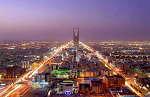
x=127, y=80
x=35, y=92
x=21, y=90
x=15, y=89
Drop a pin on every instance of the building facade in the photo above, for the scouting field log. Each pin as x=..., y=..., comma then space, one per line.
x=76, y=37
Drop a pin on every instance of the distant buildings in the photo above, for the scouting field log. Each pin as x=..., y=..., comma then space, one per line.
x=122, y=66
x=106, y=71
x=79, y=71
x=24, y=53
x=57, y=60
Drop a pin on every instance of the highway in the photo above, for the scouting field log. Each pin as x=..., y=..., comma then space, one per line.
x=16, y=89
x=127, y=80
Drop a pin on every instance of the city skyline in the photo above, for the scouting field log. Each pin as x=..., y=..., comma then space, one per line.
x=54, y=20
x=57, y=68
x=44, y=54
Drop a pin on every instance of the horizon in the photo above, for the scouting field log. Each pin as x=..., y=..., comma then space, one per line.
x=79, y=40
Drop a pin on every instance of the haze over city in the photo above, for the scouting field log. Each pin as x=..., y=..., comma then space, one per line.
x=54, y=19
x=75, y=48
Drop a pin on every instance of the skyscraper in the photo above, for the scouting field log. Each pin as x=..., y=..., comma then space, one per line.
x=75, y=40
x=76, y=37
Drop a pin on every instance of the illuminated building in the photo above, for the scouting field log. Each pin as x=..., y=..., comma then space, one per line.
x=44, y=77
x=34, y=78
x=89, y=73
x=39, y=84
x=109, y=81
x=97, y=86
x=54, y=66
x=78, y=55
x=1, y=76
x=61, y=73
x=120, y=81
x=25, y=64
x=114, y=81
x=40, y=80
x=66, y=86
x=12, y=72
x=122, y=66
x=89, y=79
x=57, y=60
x=84, y=88
x=106, y=71
x=76, y=37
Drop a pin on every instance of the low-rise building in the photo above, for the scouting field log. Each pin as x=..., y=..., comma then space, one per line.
x=84, y=88
x=97, y=86
x=114, y=81
x=122, y=92
x=66, y=86
x=106, y=71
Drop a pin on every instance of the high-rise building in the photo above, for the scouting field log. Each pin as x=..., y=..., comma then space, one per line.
x=78, y=55
x=76, y=37
x=75, y=41
x=25, y=64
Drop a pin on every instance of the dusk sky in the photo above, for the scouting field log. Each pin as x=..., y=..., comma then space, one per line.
x=55, y=19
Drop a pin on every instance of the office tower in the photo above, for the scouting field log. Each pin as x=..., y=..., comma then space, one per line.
x=78, y=56
x=75, y=40
x=24, y=64
x=76, y=37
